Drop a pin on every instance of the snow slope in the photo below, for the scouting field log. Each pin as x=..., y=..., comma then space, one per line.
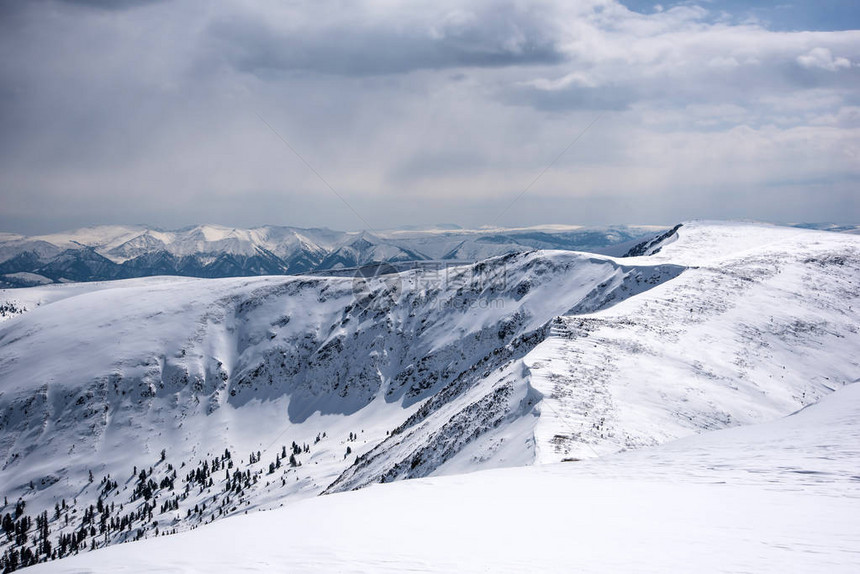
x=101, y=378
x=526, y=358
x=763, y=322
x=776, y=497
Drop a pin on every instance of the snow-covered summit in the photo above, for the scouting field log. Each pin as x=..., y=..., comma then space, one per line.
x=327, y=383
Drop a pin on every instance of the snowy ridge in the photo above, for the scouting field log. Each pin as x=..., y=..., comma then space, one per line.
x=520, y=359
x=102, y=377
x=764, y=324
x=494, y=394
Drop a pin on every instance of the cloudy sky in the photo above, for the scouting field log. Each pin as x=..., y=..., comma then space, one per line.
x=171, y=112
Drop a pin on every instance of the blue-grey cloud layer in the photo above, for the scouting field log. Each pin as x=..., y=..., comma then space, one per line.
x=147, y=111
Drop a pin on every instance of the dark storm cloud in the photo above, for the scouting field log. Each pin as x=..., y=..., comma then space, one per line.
x=490, y=36
x=112, y=4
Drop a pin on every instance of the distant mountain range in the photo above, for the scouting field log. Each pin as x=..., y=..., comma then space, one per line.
x=122, y=252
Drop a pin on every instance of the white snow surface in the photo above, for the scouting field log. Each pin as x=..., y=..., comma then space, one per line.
x=102, y=376
x=525, y=359
x=776, y=497
x=763, y=321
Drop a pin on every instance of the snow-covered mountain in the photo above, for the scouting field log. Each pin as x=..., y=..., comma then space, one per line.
x=121, y=252
x=187, y=400
x=776, y=497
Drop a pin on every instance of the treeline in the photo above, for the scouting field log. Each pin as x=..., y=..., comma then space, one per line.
x=154, y=495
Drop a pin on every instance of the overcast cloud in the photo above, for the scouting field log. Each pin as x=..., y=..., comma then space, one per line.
x=425, y=112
